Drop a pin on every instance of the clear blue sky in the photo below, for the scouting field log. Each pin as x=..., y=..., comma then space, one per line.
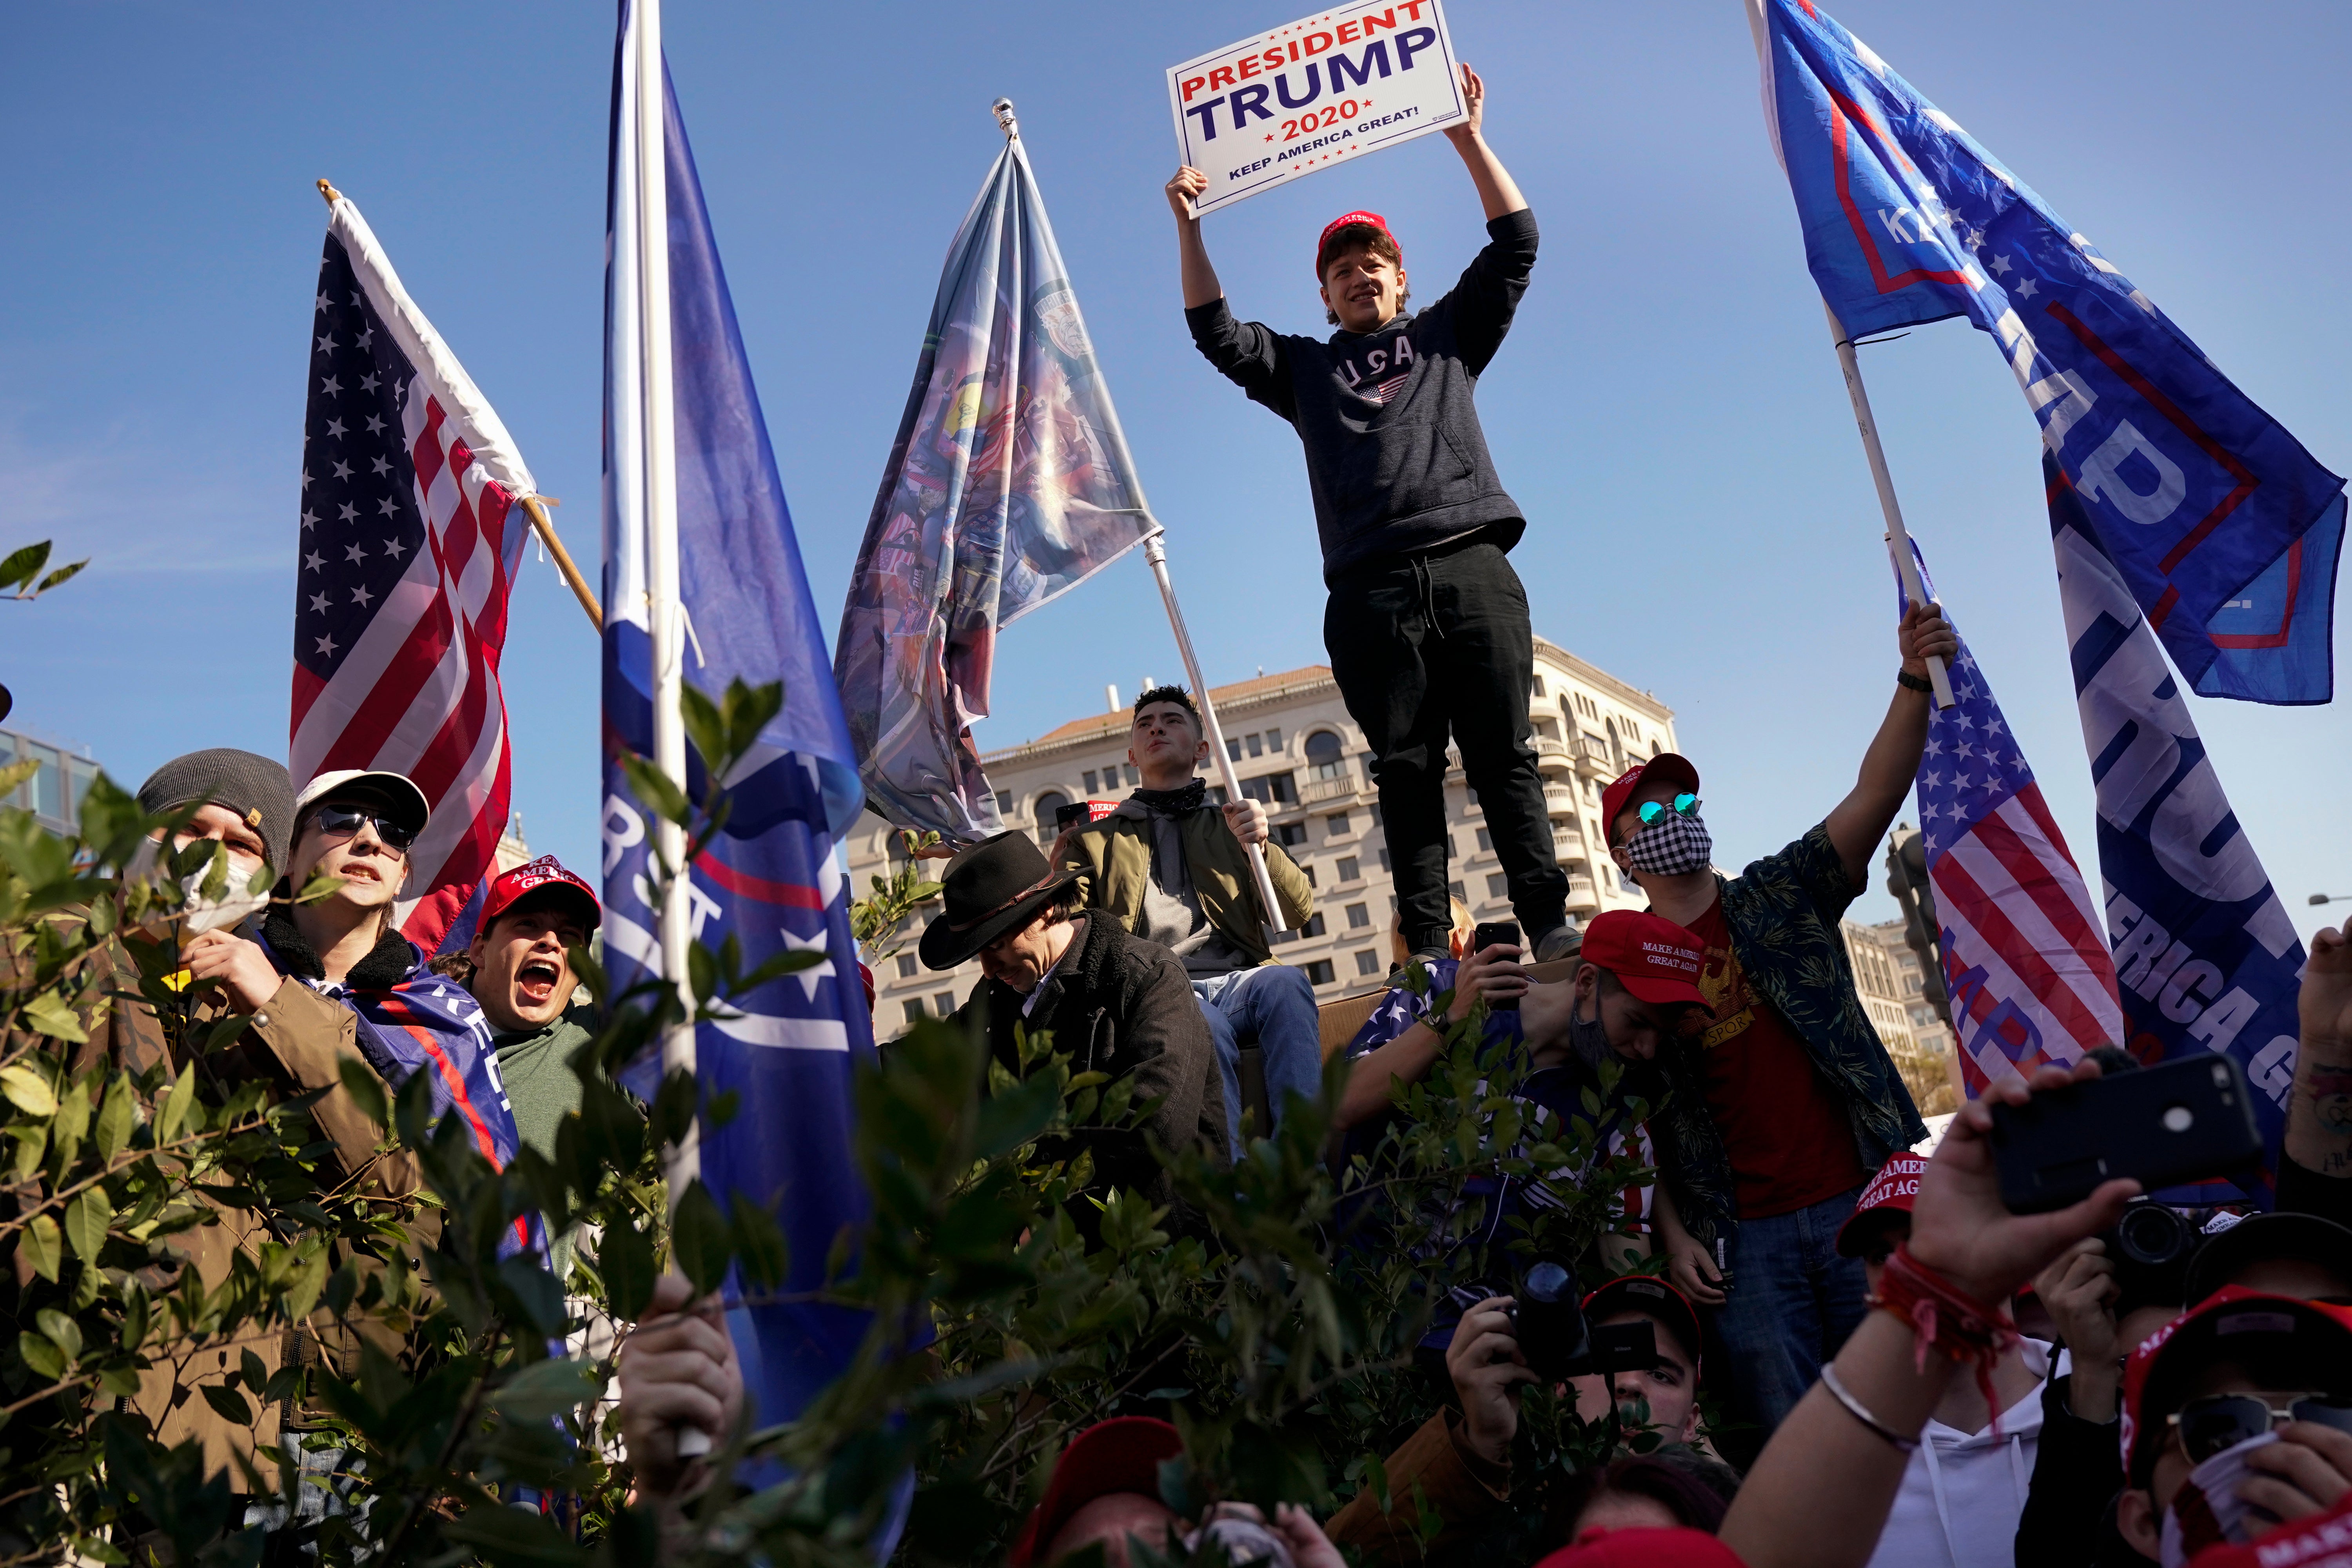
x=1666, y=410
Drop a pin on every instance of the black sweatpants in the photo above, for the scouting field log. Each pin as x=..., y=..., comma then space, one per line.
x=1428, y=645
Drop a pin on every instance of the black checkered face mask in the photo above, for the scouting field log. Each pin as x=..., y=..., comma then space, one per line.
x=1673, y=846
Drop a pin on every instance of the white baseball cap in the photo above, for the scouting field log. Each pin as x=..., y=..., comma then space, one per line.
x=396, y=793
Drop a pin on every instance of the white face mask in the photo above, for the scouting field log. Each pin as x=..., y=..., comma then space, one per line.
x=234, y=904
x=2214, y=1512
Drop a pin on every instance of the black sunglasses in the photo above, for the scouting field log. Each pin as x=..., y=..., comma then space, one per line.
x=2207, y=1425
x=344, y=821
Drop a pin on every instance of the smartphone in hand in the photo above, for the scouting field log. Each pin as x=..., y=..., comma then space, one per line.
x=2180, y=1122
x=1492, y=933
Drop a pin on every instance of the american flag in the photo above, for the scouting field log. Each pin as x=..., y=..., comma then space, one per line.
x=2025, y=956
x=410, y=535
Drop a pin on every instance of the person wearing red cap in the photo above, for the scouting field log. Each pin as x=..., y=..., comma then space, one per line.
x=1106, y=1488
x=1635, y=990
x=1967, y=1483
x=2237, y=1416
x=1426, y=623
x=1790, y=1099
x=532, y=919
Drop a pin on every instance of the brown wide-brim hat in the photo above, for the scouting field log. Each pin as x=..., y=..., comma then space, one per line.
x=996, y=885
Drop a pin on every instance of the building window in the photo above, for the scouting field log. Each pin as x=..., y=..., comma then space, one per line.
x=1548, y=730
x=1133, y=778
x=908, y=968
x=1271, y=789
x=944, y=1002
x=1325, y=759
x=1539, y=686
x=1217, y=796
x=1497, y=885
x=1274, y=740
x=1004, y=803
x=1349, y=868
x=1233, y=748
x=1336, y=825
x=1376, y=814
x=1289, y=835
x=1307, y=869
x=1313, y=927
x=1091, y=785
x=1252, y=741
x=1486, y=841
x=1459, y=890
x=1359, y=917
x=1320, y=973
x=1368, y=962
x=914, y=1010
x=1052, y=800
x=1384, y=863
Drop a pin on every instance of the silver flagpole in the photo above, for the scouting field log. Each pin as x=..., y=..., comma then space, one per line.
x=682, y=1162
x=1897, y=538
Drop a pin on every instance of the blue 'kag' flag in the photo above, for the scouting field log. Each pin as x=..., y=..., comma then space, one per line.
x=1010, y=483
x=2225, y=531
x=770, y=882
x=2206, y=958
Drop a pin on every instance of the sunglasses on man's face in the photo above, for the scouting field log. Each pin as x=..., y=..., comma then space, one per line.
x=344, y=821
x=1685, y=804
x=2218, y=1421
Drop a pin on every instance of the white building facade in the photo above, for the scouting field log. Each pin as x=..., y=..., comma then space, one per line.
x=1295, y=748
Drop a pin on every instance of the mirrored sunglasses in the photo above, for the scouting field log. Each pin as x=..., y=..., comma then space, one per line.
x=344, y=821
x=2208, y=1424
x=1685, y=804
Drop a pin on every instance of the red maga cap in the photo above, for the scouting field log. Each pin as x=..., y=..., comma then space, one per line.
x=1342, y=221
x=1651, y=956
x=1678, y=1548
x=1668, y=766
x=528, y=878
x=1120, y=1454
x=2231, y=1321
x=1894, y=1190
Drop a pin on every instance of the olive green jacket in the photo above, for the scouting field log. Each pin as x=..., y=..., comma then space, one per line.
x=1113, y=860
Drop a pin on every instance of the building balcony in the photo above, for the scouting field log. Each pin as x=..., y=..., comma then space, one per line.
x=1559, y=800
x=1551, y=749
x=1592, y=758
x=1318, y=792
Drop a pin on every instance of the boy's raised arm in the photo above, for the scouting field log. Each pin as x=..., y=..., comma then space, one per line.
x=1201, y=285
x=1497, y=192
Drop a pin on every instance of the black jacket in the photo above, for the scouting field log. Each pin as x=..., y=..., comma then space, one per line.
x=2069, y=1520
x=1395, y=458
x=1120, y=1006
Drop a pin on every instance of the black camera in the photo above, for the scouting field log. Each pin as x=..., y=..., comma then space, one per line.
x=1548, y=1320
x=2151, y=1246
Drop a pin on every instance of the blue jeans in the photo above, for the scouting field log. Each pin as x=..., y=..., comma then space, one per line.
x=1792, y=1303
x=1272, y=1006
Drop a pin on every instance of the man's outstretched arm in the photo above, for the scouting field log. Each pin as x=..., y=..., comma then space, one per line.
x=1891, y=764
x=1201, y=285
x=1497, y=192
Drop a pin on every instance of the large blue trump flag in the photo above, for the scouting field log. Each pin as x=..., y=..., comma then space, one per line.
x=1009, y=484
x=2206, y=956
x=2225, y=531
x=770, y=880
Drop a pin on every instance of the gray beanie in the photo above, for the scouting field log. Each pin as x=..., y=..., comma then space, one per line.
x=256, y=788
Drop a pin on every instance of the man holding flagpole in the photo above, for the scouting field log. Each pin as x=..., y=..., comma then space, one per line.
x=1427, y=623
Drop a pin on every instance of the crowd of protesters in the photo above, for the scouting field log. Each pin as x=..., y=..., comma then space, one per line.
x=1899, y=1370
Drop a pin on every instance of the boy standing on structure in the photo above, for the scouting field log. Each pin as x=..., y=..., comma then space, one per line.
x=1426, y=624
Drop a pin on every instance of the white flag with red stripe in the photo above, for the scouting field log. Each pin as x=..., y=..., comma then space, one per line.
x=2025, y=956
x=410, y=535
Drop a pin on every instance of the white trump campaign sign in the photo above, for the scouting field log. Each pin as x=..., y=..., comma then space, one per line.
x=1327, y=88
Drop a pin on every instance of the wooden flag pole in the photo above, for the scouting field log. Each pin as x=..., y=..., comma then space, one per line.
x=544, y=526
x=1907, y=569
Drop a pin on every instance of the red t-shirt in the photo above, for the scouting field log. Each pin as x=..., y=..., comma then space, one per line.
x=1790, y=1140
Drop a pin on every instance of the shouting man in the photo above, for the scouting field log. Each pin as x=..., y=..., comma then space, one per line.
x=521, y=956
x=1426, y=624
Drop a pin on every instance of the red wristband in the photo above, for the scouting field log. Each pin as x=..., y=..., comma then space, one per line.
x=1945, y=1320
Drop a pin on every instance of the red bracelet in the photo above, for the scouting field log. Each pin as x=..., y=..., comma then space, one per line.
x=1945, y=1320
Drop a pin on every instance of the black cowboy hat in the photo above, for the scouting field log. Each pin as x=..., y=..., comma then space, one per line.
x=996, y=885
